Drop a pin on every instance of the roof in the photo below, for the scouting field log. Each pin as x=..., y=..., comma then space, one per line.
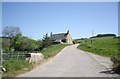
x=59, y=36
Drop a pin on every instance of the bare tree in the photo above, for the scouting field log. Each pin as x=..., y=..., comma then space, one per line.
x=10, y=32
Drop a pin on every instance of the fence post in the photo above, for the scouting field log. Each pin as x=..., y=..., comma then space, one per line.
x=18, y=55
x=1, y=62
x=1, y=58
x=22, y=54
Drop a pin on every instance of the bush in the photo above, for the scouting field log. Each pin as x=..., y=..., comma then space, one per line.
x=117, y=69
x=116, y=64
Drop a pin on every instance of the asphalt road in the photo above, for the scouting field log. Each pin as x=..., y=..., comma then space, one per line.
x=70, y=62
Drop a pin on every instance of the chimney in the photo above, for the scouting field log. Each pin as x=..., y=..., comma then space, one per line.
x=68, y=32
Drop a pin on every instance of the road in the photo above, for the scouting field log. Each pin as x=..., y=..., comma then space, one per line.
x=70, y=62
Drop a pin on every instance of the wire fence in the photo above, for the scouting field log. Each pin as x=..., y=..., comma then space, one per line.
x=18, y=55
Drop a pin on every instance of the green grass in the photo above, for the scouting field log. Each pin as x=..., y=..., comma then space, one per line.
x=105, y=46
x=53, y=50
x=15, y=67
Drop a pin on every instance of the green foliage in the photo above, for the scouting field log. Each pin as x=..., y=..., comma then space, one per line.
x=13, y=39
x=22, y=43
x=5, y=44
x=46, y=41
x=116, y=64
x=77, y=41
x=40, y=47
x=15, y=67
x=53, y=50
x=10, y=32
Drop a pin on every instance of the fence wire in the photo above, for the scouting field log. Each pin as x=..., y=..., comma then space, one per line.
x=18, y=55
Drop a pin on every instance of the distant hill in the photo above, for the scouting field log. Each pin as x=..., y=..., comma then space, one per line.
x=103, y=35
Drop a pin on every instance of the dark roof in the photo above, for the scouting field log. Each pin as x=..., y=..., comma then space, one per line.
x=58, y=36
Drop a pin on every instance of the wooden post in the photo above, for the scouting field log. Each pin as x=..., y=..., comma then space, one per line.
x=1, y=58
x=22, y=55
x=11, y=54
x=18, y=55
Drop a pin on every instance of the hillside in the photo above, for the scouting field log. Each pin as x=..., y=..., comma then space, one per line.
x=105, y=46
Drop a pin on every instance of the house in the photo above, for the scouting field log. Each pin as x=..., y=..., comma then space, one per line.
x=62, y=38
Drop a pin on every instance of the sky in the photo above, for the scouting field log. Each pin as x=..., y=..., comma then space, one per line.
x=0, y=18
x=60, y=0
x=35, y=19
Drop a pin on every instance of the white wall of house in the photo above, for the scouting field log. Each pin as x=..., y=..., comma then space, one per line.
x=69, y=39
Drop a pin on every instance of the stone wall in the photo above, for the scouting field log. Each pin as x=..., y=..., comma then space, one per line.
x=34, y=58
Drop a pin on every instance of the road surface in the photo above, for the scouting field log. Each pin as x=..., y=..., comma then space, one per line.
x=70, y=62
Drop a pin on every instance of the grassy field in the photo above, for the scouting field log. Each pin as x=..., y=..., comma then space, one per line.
x=53, y=50
x=105, y=46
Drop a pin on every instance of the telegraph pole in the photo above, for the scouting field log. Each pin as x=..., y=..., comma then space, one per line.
x=92, y=36
x=92, y=33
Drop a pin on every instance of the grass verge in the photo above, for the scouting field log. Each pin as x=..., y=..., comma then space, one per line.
x=15, y=67
x=53, y=50
x=105, y=46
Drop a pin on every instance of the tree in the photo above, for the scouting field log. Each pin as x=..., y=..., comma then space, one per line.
x=10, y=32
x=33, y=45
x=40, y=47
x=5, y=43
x=24, y=43
x=46, y=41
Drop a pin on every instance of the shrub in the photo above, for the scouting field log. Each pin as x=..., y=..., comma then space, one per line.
x=116, y=64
